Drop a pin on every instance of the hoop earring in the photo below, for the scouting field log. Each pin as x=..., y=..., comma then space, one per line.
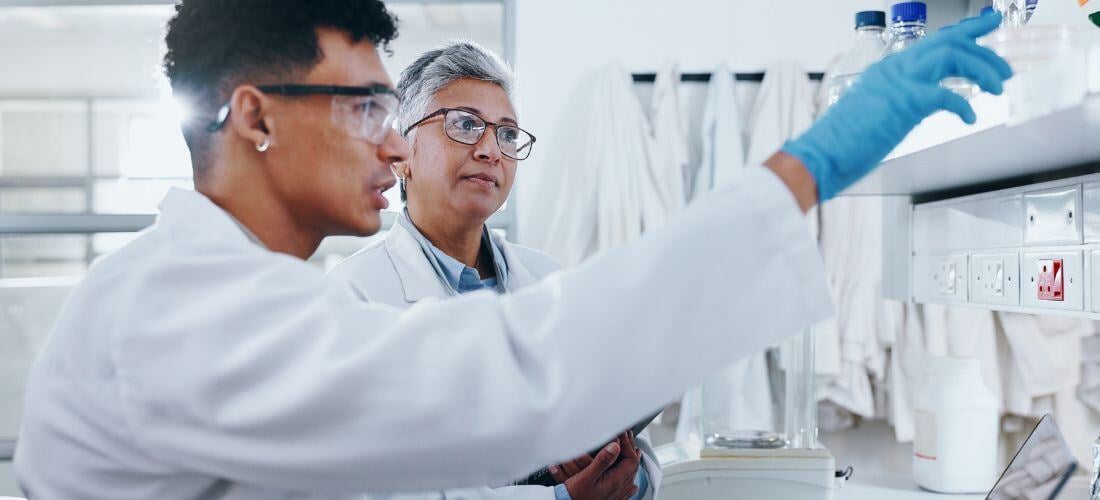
x=263, y=146
x=393, y=170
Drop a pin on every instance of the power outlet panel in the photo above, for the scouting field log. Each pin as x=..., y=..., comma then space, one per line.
x=995, y=279
x=1054, y=280
x=942, y=277
x=1051, y=281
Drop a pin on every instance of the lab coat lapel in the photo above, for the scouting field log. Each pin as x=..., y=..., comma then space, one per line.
x=519, y=275
x=418, y=279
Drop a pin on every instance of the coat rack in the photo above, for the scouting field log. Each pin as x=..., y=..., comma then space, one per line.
x=705, y=77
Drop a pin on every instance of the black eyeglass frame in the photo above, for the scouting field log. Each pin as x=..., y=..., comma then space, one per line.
x=293, y=89
x=496, y=126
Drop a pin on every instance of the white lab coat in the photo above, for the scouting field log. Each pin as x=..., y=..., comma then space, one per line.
x=850, y=348
x=603, y=159
x=668, y=165
x=622, y=172
x=784, y=109
x=723, y=157
x=396, y=272
x=194, y=363
x=1045, y=354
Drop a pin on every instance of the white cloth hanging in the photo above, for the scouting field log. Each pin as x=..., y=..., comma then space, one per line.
x=1089, y=389
x=622, y=172
x=784, y=109
x=851, y=247
x=608, y=152
x=723, y=147
x=669, y=160
x=1045, y=358
x=907, y=361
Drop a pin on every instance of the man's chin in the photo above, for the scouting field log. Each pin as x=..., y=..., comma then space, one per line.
x=367, y=225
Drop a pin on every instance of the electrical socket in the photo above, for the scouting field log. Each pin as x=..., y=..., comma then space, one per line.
x=1050, y=280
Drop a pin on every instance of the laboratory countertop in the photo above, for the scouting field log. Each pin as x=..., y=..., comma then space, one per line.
x=901, y=487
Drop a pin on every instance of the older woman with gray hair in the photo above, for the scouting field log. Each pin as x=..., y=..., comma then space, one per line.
x=457, y=113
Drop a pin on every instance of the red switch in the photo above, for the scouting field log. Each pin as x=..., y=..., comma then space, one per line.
x=1050, y=280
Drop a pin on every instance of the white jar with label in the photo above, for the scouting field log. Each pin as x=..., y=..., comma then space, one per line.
x=955, y=433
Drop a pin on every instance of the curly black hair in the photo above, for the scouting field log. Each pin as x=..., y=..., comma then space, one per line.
x=216, y=45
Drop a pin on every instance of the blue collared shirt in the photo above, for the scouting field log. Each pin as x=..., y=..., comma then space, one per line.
x=458, y=277
x=466, y=279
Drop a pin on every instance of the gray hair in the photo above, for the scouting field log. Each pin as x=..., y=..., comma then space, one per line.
x=438, y=67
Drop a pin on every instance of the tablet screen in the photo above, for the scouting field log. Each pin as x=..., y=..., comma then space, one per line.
x=1040, y=469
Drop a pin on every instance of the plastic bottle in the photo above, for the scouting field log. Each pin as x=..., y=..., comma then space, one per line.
x=1014, y=12
x=907, y=26
x=869, y=45
x=955, y=431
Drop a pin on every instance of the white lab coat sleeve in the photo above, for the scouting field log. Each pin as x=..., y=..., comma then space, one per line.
x=269, y=376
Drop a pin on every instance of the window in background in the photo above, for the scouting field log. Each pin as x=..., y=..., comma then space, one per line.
x=88, y=128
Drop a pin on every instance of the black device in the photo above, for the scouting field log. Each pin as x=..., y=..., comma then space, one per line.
x=542, y=477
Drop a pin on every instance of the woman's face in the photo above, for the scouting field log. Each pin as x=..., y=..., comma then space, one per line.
x=467, y=181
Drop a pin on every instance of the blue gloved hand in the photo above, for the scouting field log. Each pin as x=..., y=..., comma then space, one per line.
x=892, y=97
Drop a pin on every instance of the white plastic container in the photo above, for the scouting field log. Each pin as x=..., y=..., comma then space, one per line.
x=1050, y=65
x=956, y=422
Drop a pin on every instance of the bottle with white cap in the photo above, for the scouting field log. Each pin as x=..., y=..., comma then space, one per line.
x=955, y=429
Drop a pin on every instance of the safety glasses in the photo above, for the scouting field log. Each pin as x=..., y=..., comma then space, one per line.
x=467, y=128
x=363, y=112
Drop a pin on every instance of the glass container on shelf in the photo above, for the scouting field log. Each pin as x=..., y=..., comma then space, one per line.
x=1015, y=12
x=789, y=423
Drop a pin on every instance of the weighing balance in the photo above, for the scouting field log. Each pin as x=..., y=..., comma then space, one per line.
x=719, y=461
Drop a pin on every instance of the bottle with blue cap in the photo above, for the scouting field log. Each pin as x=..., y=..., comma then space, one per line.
x=1029, y=9
x=867, y=49
x=908, y=25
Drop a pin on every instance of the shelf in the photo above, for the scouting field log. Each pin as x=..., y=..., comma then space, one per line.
x=944, y=155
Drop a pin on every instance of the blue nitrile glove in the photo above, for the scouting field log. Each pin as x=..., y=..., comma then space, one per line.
x=892, y=97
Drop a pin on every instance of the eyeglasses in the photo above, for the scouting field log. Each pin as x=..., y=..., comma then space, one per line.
x=363, y=112
x=467, y=128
